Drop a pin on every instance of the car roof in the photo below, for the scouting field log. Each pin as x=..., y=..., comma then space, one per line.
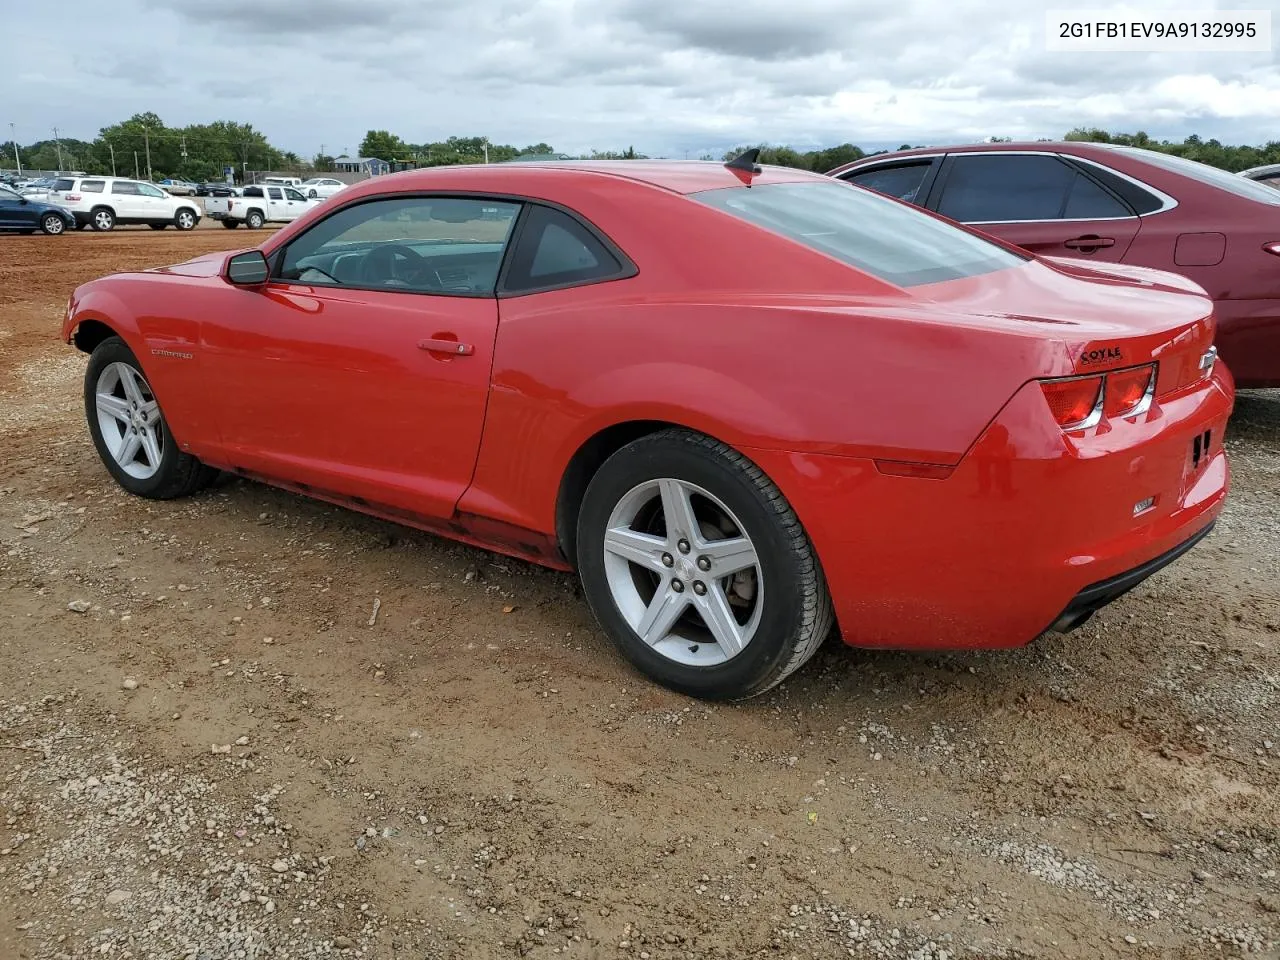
x=677, y=176
x=1265, y=170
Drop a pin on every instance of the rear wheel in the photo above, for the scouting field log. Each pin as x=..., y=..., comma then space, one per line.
x=185, y=219
x=231, y=224
x=254, y=220
x=102, y=219
x=52, y=224
x=698, y=568
x=129, y=429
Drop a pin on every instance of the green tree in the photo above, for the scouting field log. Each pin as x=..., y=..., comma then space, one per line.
x=384, y=145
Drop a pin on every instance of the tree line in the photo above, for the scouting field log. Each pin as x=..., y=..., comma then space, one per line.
x=144, y=146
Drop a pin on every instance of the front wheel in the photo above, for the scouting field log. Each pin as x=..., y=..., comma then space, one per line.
x=311, y=194
x=52, y=224
x=185, y=219
x=698, y=569
x=129, y=429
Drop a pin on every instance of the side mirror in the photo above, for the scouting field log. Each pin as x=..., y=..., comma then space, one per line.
x=23, y=200
x=248, y=269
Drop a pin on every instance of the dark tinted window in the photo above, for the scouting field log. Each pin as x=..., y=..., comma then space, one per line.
x=554, y=249
x=124, y=187
x=902, y=181
x=1231, y=182
x=252, y=192
x=63, y=184
x=274, y=193
x=995, y=187
x=91, y=186
x=1139, y=200
x=1088, y=201
x=885, y=239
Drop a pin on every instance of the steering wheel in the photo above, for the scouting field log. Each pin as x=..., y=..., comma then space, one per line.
x=379, y=264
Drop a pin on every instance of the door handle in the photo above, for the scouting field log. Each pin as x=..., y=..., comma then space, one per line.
x=1088, y=243
x=452, y=347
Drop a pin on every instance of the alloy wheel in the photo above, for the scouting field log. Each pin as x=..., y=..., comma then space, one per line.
x=683, y=572
x=130, y=421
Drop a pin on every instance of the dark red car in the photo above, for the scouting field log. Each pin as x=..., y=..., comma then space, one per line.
x=1101, y=202
x=741, y=403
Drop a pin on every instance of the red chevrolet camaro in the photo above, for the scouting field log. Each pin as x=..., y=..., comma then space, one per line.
x=743, y=403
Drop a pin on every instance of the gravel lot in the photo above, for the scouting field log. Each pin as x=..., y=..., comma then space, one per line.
x=246, y=725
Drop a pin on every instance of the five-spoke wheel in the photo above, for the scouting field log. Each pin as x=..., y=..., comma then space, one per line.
x=698, y=568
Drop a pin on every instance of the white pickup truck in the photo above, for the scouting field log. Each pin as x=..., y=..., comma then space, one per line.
x=258, y=204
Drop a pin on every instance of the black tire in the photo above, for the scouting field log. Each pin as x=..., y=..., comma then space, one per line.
x=311, y=194
x=254, y=220
x=185, y=219
x=25, y=233
x=52, y=224
x=157, y=226
x=179, y=474
x=231, y=224
x=796, y=615
x=103, y=219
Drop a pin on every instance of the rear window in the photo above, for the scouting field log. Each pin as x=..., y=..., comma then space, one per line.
x=881, y=237
x=1231, y=182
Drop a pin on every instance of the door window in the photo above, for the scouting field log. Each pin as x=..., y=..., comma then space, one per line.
x=991, y=188
x=440, y=245
x=147, y=190
x=274, y=193
x=1088, y=201
x=294, y=195
x=556, y=250
x=902, y=180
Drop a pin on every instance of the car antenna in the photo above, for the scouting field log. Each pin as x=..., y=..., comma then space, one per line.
x=744, y=165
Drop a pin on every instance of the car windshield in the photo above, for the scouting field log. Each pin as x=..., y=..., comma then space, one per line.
x=8, y=192
x=879, y=236
x=1231, y=182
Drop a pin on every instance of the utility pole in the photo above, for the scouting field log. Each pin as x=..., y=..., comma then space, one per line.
x=486, y=150
x=136, y=174
x=112, y=148
x=58, y=143
x=13, y=135
x=146, y=145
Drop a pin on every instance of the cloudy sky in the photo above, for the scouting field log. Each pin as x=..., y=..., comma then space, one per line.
x=667, y=76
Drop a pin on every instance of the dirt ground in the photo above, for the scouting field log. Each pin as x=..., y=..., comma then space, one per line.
x=228, y=755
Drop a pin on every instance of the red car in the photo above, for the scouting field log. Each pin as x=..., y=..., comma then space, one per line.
x=739, y=402
x=1107, y=203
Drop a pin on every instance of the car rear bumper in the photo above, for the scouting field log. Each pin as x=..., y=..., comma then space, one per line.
x=1029, y=526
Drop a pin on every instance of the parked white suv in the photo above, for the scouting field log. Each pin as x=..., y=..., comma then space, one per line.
x=103, y=202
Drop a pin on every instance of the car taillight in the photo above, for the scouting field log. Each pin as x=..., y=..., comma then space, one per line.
x=230, y=204
x=72, y=197
x=1076, y=402
x=1129, y=392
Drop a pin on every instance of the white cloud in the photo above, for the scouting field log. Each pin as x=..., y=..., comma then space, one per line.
x=663, y=75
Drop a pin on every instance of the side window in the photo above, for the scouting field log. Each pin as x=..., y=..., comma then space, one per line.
x=147, y=190
x=555, y=250
x=274, y=193
x=63, y=184
x=440, y=245
x=124, y=188
x=1088, y=201
x=91, y=186
x=989, y=188
x=901, y=180
x=252, y=192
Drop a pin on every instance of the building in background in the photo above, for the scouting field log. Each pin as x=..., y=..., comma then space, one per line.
x=369, y=166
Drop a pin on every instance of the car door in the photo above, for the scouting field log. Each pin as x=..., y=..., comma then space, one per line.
x=1037, y=200
x=362, y=367
x=276, y=209
x=126, y=200
x=13, y=212
x=154, y=204
x=295, y=204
